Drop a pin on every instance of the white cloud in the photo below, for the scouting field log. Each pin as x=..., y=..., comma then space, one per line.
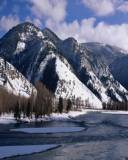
x=106, y=7
x=49, y=9
x=88, y=31
x=35, y=21
x=7, y=22
x=100, y=7
x=123, y=7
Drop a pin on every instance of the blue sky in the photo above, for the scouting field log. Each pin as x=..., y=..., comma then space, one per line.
x=103, y=21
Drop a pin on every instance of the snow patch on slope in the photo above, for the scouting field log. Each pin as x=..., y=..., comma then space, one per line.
x=43, y=65
x=95, y=82
x=14, y=81
x=29, y=32
x=20, y=47
x=69, y=86
x=40, y=34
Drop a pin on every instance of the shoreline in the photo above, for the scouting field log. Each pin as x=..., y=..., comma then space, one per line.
x=9, y=118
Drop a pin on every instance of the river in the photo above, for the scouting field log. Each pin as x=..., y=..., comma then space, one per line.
x=105, y=138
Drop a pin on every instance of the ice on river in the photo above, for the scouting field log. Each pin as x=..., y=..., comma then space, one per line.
x=49, y=130
x=9, y=151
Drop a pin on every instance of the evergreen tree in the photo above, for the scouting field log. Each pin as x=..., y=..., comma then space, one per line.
x=60, y=105
x=28, y=110
x=17, y=113
x=69, y=105
x=104, y=106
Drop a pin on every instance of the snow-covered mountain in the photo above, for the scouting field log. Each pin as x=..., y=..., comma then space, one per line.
x=115, y=58
x=92, y=70
x=58, y=73
x=13, y=81
x=67, y=68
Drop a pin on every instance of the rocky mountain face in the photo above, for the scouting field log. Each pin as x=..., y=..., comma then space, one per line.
x=69, y=69
x=115, y=58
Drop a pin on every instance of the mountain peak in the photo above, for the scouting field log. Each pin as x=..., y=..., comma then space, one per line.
x=23, y=32
x=71, y=44
x=51, y=35
x=25, y=26
x=17, y=39
x=71, y=40
x=47, y=30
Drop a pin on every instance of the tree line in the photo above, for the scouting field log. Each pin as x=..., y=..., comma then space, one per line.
x=44, y=103
x=123, y=106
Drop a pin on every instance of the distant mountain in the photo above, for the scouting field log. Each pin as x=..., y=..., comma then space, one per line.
x=13, y=81
x=68, y=68
x=115, y=58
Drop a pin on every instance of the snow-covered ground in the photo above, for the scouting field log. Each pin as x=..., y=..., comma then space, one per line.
x=9, y=151
x=114, y=112
x=9, y=118
x=49, y=130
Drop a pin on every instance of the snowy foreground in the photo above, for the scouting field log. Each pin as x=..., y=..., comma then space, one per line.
x=9, y=118
x=9, y=151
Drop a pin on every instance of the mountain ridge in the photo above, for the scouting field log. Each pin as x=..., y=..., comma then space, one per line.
x=30, y=50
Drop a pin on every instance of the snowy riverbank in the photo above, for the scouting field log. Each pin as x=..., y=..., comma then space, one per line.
x=9, y=118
